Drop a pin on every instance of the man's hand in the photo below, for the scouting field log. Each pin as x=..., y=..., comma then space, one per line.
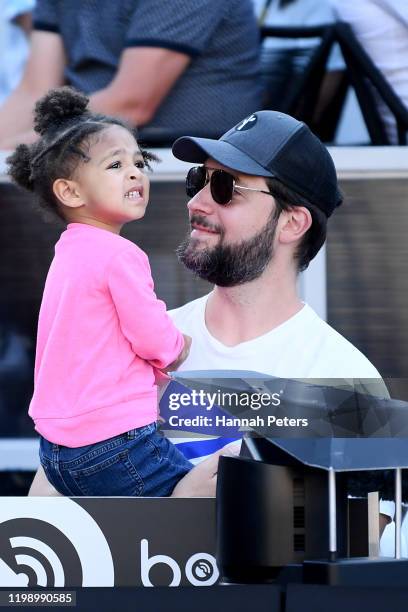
x=201, y=481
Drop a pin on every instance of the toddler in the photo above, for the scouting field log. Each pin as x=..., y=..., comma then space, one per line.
x=102, y=332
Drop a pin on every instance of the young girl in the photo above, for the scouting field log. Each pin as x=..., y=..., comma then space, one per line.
x=102, y=331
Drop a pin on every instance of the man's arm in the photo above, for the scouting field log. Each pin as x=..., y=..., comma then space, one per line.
x=44, y=70
x=144, y=78
x=201, y=481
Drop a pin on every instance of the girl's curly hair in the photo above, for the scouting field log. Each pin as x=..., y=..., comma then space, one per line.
x=65, y=125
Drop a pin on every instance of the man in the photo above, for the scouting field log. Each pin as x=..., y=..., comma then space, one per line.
x=258, y=212
x=169, y=66
x=278, y=186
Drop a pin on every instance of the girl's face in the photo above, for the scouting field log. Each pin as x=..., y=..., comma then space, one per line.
x=112, y=186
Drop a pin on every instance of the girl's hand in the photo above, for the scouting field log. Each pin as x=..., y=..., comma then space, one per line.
x=182, y=357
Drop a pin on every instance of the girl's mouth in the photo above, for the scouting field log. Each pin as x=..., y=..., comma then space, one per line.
x=136, y=193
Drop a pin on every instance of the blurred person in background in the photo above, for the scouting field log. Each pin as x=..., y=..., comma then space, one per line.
x=15, y=27
x=381, y=26
x=176, y=68
x=285, y=60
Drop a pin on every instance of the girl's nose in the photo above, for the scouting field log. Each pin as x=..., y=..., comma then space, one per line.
x=135, y=173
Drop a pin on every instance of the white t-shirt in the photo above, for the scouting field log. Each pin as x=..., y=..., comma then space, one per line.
x=381, y=27
x=304, y=346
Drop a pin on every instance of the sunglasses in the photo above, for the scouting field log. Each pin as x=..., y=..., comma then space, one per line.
x=222, y=184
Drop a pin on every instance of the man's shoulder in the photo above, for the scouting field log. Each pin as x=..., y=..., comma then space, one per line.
x=336, y=352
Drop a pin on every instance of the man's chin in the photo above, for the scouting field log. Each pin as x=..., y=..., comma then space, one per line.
x=202, y=241
x=193, y=253
x=195, y=246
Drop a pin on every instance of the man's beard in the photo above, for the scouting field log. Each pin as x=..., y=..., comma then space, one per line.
x=227, y=265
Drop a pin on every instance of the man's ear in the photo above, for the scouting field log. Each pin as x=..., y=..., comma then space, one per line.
x=68, y=193
x=296, y=222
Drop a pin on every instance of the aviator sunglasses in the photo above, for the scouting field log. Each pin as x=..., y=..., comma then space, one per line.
x=222, y=184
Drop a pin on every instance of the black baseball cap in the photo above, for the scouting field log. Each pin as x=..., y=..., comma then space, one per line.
x=274, y=145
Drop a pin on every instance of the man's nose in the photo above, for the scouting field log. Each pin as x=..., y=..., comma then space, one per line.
x=202, y=202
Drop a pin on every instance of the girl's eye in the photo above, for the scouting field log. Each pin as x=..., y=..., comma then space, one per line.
x=140, y=164
x=115, y=165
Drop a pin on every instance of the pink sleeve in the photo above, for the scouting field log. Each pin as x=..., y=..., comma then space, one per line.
x=142, y=317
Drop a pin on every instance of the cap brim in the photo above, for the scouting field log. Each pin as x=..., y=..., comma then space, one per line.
x=197, y=150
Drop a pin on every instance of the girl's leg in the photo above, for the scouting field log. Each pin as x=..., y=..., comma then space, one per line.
x=158, y=461
x=140, y=462
x=101, y=469
x=41, y=487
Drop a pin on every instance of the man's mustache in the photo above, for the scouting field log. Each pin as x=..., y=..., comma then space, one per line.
x=200, y=220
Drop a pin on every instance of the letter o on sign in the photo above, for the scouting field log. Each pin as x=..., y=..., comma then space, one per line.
x=201, y=570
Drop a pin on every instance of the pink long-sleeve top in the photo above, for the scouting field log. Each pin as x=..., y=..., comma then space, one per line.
x=101, y=333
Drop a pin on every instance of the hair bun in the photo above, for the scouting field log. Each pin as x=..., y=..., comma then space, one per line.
x=19, y=166
x=57, y=106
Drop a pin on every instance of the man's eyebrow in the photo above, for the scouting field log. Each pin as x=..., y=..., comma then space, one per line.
x=237, y=178
x=136, y=153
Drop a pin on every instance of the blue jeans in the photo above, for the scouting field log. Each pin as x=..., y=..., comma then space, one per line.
x=140, y=462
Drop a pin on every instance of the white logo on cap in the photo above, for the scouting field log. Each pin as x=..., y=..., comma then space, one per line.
x=247, y=123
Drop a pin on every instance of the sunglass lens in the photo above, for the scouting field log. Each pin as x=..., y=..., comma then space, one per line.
x=222, y=186
x=195, y=180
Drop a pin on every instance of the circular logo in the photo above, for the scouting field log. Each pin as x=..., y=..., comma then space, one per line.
x=51, y=543
x=202, y=570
